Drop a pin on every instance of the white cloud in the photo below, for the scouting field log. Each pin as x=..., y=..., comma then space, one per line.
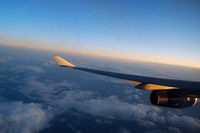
x=186, y=122
x=28, y=68
x=113, y=108
x=19, y=117
x=49, y=62
x=5, y=59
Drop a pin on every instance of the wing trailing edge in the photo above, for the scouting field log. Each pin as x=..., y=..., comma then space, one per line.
x=146, y=86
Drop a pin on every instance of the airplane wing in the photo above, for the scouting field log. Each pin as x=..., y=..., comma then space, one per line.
x=166, y=92
x=142, y=82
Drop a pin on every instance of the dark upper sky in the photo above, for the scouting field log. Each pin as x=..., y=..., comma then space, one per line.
x=153, y=30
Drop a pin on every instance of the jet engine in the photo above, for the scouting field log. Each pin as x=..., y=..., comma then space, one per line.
x=174, y=100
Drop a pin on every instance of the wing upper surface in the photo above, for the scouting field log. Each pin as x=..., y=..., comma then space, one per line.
x=142, y=82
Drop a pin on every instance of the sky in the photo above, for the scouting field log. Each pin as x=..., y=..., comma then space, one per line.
x=145, y=30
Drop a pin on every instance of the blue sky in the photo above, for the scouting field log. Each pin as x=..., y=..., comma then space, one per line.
x=165, y=31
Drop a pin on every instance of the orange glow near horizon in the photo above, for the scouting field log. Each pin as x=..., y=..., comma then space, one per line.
x=101, y=54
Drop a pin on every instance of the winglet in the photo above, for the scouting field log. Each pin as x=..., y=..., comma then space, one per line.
x=62, y=62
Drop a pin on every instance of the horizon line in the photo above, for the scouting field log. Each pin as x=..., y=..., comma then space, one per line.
x=100, y=54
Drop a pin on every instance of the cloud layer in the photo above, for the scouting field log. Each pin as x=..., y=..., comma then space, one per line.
x=150, y=117
x=19, y=117
x=50, y=99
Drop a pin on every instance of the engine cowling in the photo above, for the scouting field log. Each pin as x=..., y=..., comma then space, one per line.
x=172, y=99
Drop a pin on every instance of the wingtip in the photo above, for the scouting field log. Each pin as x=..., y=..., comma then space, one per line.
x=62, y=62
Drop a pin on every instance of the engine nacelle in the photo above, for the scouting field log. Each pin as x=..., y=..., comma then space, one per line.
x=163, y=98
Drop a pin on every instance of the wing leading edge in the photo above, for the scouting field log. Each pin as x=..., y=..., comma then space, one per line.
x=141, y=82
